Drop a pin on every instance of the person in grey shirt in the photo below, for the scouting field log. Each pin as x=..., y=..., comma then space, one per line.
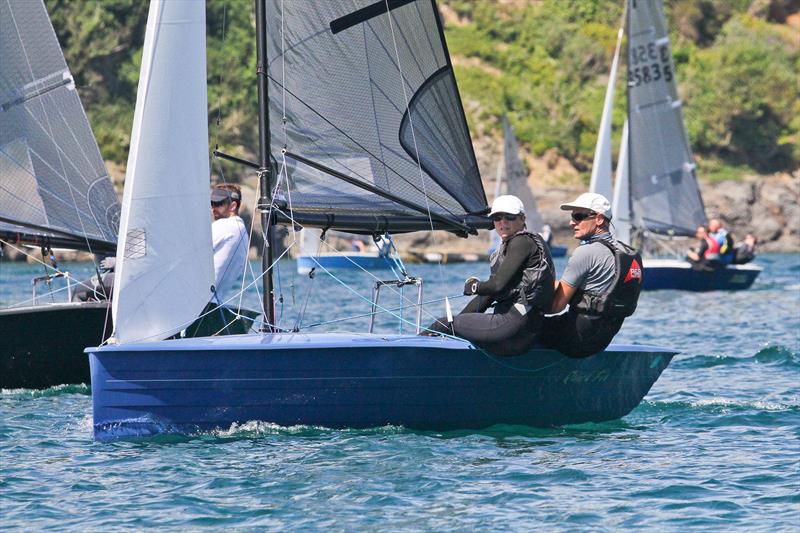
x=590, y=273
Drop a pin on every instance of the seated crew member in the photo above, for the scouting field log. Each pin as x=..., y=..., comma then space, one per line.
x=725, y=240
x=229, y=238
x=705, y=256
x=520, y=287
x=97, y=288
x=745, y=251
x=601, y=283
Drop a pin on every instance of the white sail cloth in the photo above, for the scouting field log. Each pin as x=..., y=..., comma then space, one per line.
x=164, y=259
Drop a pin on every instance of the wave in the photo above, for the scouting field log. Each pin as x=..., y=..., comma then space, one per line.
x=57, y=390
x=777, y=355
x=718, y=404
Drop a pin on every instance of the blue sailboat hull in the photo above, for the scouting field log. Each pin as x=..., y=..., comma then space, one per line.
x=679, y=275
x=356, y=381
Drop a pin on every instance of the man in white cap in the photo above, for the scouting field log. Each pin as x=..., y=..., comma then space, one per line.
x=520, y=288
x=599, y=293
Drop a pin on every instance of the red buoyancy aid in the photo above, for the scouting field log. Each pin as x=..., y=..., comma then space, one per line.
x=713, y=248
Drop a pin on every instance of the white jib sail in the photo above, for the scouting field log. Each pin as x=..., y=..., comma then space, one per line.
x=621, y=205
x=164, y=269
x=601, y=167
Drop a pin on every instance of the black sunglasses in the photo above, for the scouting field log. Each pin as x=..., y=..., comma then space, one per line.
x=220, y=203
x=508, y=218
x=580, y=217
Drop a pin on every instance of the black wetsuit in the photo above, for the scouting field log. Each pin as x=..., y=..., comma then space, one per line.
x=507, y=331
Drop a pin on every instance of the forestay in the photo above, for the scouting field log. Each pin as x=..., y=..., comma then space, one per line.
x=664, y=191
x=366, y=117
x=517, y=178
x=164, y=259
x=54, y=182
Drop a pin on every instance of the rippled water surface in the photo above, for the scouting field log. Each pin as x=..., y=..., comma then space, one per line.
x=715, y=445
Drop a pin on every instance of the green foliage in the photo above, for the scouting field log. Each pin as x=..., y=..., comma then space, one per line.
x=544, y=62
x=741, y=93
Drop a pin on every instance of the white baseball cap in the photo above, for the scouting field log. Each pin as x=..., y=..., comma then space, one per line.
x=507, y=204
x=591, y=201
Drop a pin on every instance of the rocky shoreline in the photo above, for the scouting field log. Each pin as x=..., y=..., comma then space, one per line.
x=767, y=206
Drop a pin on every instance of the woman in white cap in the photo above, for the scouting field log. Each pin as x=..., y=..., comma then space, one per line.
x=601, y=283
x=520, y=288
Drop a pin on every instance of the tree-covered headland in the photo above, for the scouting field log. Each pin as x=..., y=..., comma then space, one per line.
x=544, y=62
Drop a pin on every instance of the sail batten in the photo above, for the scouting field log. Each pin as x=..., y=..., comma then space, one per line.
x=54, y=179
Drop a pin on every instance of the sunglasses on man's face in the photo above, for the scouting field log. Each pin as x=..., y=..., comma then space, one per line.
x=580, y=217
x=219, y=204
x=508, y=218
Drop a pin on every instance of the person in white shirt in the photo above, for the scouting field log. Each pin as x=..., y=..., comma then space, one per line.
x=230, y=240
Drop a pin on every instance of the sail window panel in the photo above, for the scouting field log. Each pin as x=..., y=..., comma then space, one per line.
x=344, y=96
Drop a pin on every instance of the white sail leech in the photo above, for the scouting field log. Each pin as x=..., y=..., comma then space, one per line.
x=164, y=269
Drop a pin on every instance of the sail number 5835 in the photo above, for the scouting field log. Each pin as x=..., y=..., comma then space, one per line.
x=649, y=63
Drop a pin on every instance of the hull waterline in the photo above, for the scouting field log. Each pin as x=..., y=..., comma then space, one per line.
x=356, y=381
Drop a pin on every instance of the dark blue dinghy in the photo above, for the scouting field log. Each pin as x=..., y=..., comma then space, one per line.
x=679, y=275
x=372, y=140
x=357, y=381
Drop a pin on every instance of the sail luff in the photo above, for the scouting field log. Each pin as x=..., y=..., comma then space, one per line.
x=164, y=258
x=601, y=167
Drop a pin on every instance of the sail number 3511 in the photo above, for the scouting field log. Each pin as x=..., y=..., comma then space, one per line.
x=649, y=63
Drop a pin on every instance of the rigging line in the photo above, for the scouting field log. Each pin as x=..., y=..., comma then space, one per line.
x=58, y=151
x=414, y=137
x=362, y=315
x=409, y=301
x=37, y=260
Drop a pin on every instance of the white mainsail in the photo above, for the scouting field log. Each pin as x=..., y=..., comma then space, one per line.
x=164, y=270
x=601, y=167
x=621, y=204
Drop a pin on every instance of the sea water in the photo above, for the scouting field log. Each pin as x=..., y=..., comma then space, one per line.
x=714, y=445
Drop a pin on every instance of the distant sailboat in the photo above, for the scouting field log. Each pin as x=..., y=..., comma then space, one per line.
x=656, y=196
x=55, y=192
x=516, y=181
x=314, y=254
x=363, y=79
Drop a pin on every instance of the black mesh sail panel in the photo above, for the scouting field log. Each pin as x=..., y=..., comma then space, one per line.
x=365, y=114
x=517, y=177
x=665, y=196
x=52, y=177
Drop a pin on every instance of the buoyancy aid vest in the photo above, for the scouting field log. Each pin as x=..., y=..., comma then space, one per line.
x=535, y=285
x=621, y=299
x=713, y=250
